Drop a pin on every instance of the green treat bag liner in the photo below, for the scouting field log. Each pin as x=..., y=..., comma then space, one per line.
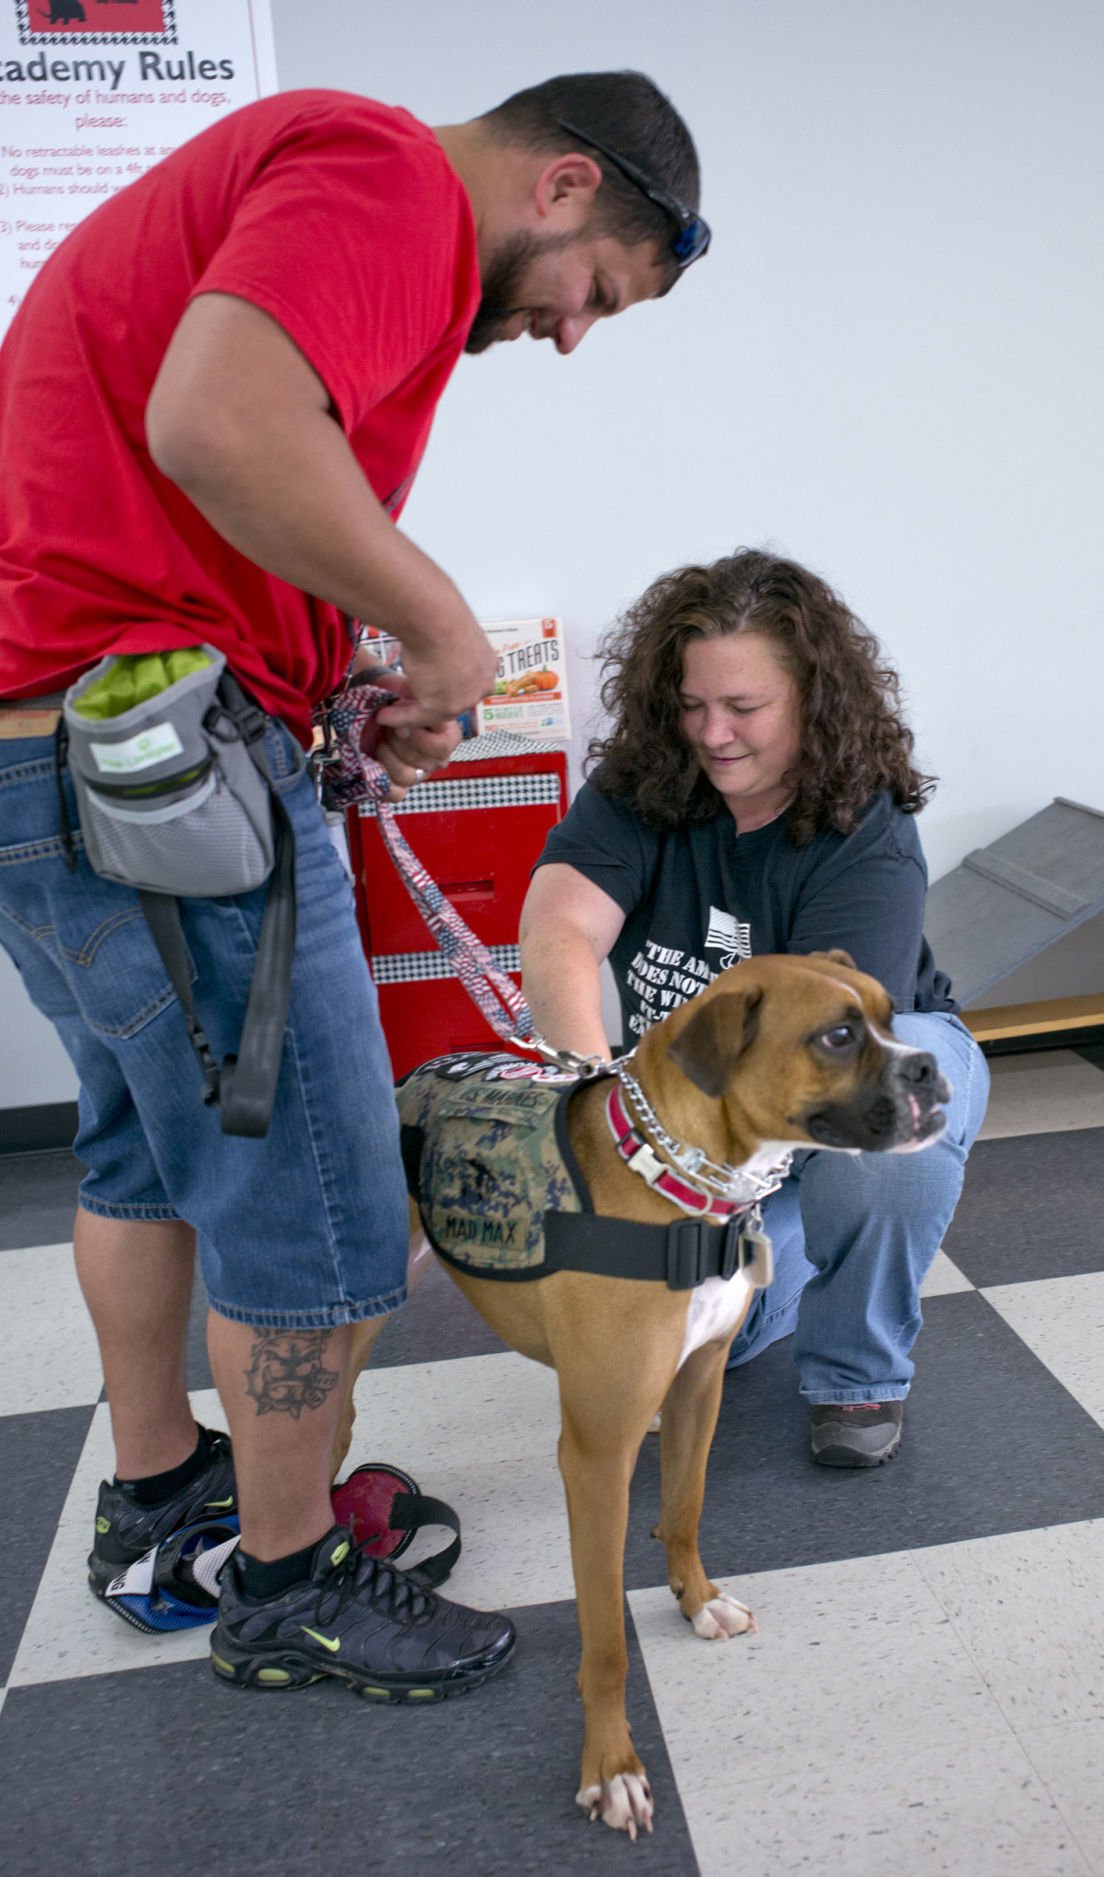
x=135, y=679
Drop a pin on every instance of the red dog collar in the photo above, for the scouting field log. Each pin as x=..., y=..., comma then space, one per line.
x=641, y=1158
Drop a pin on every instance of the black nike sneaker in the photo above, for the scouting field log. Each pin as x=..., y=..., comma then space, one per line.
x=361, y=1620
x=125, y=1531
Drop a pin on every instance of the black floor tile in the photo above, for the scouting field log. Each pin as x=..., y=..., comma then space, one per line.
x=164, y=1769
x=437, y=1323
x=1031, y=1207
x=38, y=1197
x=38, y=1453
x=992, y=1443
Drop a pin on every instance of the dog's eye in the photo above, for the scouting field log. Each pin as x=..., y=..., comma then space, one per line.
x=842, y=1038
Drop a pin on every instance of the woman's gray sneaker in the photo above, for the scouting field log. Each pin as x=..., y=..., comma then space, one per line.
x=856, y=1433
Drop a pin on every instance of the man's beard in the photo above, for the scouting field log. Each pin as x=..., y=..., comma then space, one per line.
x=504, y=285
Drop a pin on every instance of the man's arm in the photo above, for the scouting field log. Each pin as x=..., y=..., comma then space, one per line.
x=242, y=423
x=568, y=926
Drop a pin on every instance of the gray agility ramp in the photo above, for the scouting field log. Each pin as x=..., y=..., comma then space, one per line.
x=1007, y=902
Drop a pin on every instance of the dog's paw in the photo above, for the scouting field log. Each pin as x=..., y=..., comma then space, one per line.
x=623, y=1803
x=723, y=1617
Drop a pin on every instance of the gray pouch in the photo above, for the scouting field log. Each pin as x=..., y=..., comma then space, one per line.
x=170, y=798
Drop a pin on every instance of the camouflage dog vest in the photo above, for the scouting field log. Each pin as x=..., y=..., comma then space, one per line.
x=490, y=1166
x=485, y=1147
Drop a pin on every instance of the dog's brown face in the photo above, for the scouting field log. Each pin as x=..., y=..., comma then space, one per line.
x=816, y=1031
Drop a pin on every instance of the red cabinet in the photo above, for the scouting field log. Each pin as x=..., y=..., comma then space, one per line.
x=477, y=826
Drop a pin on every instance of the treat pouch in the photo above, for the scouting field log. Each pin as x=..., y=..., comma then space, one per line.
x=170, y=796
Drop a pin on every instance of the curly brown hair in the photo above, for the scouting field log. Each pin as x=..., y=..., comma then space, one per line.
x=853, y=740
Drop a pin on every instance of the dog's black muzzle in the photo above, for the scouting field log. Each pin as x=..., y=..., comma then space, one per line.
x=900, y=1110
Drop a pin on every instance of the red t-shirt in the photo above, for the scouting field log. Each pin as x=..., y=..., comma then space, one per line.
x=340, y=218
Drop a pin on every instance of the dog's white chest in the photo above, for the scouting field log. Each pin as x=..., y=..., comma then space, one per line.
x=716, y=1309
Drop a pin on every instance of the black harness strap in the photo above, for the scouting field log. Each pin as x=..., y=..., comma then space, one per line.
x=682, y=1254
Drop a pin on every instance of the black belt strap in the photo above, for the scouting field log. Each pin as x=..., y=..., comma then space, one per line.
x=682, y=1254
x=245, y=1086
x=409, y=1512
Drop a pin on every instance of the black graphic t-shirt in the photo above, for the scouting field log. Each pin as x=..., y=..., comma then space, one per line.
x=698, y=898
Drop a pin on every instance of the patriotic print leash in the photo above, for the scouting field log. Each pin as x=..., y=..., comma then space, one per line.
x=351, y=775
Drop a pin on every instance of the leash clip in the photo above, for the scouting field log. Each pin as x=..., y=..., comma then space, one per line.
x=587, y=1068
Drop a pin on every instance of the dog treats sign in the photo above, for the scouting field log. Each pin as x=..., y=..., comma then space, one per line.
x=92, y=92
x=530, y=692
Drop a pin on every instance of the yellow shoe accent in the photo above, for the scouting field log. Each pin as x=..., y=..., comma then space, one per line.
x=103, y=1525
x=224, y=1668
x=421, y=1694
x=332, y=1643
x=219, y=1505
x=273, y=1675
x=342, y=1552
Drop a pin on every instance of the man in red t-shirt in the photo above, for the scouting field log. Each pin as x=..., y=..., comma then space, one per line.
x=214, y=400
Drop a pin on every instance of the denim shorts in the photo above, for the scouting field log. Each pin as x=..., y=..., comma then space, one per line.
x=306, y=1228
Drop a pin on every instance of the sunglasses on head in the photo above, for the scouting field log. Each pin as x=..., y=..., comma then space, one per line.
x=693, y=233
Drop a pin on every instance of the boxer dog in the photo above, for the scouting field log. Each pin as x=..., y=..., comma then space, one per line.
x=777, y=1052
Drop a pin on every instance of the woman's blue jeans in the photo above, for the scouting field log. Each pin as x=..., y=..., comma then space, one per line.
x=854, y=1236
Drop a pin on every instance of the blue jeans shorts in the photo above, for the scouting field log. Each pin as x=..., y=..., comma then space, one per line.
x=306, y=1228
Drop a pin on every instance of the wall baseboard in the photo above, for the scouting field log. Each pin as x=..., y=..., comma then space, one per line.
x=1086, y=1042
x=37, y=1130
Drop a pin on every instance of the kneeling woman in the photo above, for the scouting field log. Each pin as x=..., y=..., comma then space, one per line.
x=756, y=793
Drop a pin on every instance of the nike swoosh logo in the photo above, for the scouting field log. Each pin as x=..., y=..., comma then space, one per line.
x=332, y=1643
x=220, y=1505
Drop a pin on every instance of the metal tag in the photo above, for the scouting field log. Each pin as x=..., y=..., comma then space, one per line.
x=756, y=1253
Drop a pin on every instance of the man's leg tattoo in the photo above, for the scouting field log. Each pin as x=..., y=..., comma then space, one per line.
x=288, y=1372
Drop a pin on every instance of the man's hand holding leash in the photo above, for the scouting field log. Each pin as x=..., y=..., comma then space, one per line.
x=419, y=732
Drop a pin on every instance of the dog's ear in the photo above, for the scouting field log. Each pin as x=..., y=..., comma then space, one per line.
x=707, y=1048
x=837, y=958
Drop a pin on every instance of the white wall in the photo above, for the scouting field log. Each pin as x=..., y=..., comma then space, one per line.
x=889, y=366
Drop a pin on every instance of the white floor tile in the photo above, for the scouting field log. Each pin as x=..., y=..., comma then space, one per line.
x=943, y=1278
x=843, y=1651
x=1042, y=1093
x=1027, y=1607
x=68, y=1633
x=1070, y=1762
x=1061, y=1319
x=918, y=1808
x=480, y=1432
x=39, y=1293
x=857, y=1663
